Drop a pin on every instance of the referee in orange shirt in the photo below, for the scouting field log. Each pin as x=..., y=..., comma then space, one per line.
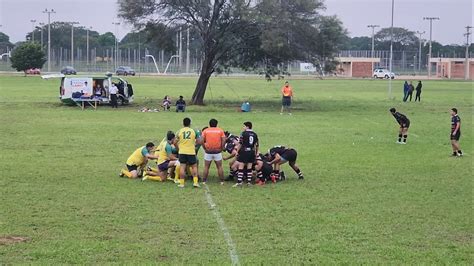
x=287, y=96
x=213, y=139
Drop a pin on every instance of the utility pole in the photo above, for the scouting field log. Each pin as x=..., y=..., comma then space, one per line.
x=72, y=42
x=466, y=66
x=419, y=49
x=49, y=36
x=33, y=30
x=373, y=42
x=431, y=33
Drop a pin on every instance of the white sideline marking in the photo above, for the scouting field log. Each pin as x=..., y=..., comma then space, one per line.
x=232, y=250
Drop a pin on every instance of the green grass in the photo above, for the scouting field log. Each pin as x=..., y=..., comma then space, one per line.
x=365, y=200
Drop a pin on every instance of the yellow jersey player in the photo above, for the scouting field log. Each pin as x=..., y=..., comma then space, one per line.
x=186, y=140
x=167, y=160
x=138, y=160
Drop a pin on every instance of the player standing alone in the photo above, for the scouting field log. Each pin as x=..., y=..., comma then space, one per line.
x=404, y=125
x=247, y=153
x=455, y=132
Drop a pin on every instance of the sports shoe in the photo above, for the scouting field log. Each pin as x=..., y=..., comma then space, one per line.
x=282, y=176
x=399, y=142
x=237, y=185
x=222, y=183
x=289, y=113
x=121, y=174
x=273, y=177
x=260, y=183
x=169, y=178
x=196, y=185
x=459, y=154
x=181, y=186
x=249, y=184
x=176, y=181
x=145, y=177
x=403, y=143
x=301, y=177
x=454, y=154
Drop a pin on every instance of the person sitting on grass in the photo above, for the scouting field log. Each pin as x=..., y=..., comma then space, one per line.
x=180, y=105
x=138, y=160
x=166, y=103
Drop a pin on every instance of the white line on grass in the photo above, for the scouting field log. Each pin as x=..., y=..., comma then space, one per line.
x=232, y=250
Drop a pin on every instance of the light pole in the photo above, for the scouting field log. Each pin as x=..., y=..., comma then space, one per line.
x=116, y=44
x=391, y=55
x=49, y=36
x=41, y=31
x=373, y=42
x=72, y=42
x=87, y=44
x=431, y=32
x=33, y=21
x=187, y=50
x=466, y=66
x=419, y=49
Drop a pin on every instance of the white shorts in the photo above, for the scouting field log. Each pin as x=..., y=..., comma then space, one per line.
x=213, y=157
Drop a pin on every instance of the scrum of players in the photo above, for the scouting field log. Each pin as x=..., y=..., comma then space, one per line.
x=175, y=158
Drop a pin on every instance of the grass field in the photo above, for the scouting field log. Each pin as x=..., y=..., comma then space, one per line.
x=364, y=200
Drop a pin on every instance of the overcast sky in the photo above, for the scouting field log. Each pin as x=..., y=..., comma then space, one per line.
x=455, y=15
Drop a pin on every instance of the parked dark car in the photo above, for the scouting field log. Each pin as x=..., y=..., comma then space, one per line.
x=33, y=71
x=69, y=70
x=125, y=70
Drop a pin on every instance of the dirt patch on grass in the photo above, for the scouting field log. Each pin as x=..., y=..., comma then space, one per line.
x=10, y=240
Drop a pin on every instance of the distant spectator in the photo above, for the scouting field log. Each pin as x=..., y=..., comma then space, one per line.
x=410, y=90
x=166, y=103
x=98, y=90
x=113, y=90
x=418, y=91
x=287, y=96
x=180, y=104
x=405, y=91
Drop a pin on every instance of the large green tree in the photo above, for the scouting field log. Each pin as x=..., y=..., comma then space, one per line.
x=244, y=33
x=403, y=39
x=27, y=55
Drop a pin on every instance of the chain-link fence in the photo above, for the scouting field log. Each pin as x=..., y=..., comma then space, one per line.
x=141, y=60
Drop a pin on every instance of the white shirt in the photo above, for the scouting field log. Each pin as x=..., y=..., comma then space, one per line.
x=113, y=89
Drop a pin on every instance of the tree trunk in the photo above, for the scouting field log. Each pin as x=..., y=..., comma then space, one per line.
x=201, y=86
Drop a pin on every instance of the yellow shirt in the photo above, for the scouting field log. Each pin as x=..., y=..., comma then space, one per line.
x=186, y=141
x=138, y=156
x=165, y=150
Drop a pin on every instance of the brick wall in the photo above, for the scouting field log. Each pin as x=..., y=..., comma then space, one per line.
x=457, y=69
x=362, y=69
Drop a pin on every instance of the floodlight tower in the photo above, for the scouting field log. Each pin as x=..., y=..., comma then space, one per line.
x=391, y=55
x=41, y=31
x=466, y=66
x=72, y=42
x=419, y=50
x=373, y=42
x=87, y=44
x=49, y=36
x=116, y=43
x=33, y=21
x=431, y=32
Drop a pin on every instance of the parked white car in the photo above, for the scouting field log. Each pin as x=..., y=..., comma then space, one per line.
x=383, y=73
